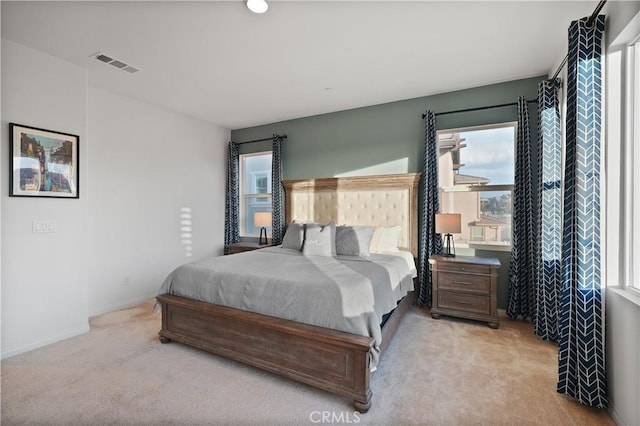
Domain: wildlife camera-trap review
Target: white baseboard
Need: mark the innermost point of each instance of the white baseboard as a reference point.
(76, 331)
(122, 304)
(615, 415)
(31, 346)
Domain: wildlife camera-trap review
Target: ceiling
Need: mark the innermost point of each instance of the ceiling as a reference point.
(219, 62)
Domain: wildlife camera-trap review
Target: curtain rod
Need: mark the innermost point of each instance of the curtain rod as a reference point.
(592, 18)
(262, 140)
(481, 108)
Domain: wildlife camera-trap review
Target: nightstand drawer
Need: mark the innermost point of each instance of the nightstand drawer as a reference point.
(464, 282)
(467, 268)
(464, 302)
(465, 287)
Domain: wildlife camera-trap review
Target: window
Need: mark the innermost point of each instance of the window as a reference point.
(621, 159)
(476, 176)
(261, 183)
(477, 233)
(255, 190)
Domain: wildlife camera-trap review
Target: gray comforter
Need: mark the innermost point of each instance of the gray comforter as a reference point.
(346, 293)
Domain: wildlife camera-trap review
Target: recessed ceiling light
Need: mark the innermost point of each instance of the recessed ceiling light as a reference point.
(257, 6)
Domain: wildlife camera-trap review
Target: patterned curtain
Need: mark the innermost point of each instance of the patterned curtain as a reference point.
(521, 267)
(549, 210)
(430, 242)
(581, 357)
(232, 204)
(277, 191)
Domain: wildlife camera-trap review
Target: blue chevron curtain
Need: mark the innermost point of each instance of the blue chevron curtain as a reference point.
(522, 266)
(581, 357)
(277, 191)
(549, 212)
(232, 204)
(430, 242)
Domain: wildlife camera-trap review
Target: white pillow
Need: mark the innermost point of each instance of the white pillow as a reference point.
(319, 240)
(385, 238)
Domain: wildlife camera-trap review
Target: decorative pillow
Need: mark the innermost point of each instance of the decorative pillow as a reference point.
(294, 236)
(319, 240)
(353, 240)
(385, 238)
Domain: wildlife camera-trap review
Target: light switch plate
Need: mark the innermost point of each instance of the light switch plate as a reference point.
(41, 226)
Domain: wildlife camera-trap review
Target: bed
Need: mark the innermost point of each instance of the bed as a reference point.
(332, 359)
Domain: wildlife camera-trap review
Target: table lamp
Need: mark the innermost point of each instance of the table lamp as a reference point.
(447, 224)
(262, 219)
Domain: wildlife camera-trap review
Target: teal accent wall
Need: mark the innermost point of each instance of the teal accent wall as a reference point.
(389, 138)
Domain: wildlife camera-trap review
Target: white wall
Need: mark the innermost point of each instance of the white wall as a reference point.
(44, 291)
(623, 363)
(146, 164)
(140, 165)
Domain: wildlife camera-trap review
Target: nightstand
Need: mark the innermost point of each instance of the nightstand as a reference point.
(243, 246)
(465, 287)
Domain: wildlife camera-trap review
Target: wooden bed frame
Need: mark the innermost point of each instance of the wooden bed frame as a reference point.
(332, 360)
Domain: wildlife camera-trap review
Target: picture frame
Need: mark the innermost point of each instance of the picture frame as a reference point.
(44, 163)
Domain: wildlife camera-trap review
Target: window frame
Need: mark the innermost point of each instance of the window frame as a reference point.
(632, 172)
(482, 188)
(262, 197)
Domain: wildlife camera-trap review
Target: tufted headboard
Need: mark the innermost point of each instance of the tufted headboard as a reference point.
(379, 200)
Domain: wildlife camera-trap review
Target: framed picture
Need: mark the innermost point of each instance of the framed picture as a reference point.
(44, 163)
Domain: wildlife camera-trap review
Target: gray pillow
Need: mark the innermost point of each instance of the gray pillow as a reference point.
(319, 240)
(294, 236)
(354, 240)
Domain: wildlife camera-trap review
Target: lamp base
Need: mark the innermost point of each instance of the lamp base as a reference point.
(449, 245)
(263, 229)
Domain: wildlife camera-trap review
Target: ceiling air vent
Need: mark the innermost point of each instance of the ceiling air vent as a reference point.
(115, 63)
(104, 58)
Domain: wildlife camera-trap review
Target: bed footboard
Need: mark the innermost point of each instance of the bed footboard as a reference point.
(332, 360)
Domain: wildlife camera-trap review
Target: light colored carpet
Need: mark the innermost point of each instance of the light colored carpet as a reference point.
(436, 372)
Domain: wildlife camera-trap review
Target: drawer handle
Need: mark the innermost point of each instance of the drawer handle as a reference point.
(462, 282)
(463, 302)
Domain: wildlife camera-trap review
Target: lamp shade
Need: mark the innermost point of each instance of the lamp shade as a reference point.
(448, 223)
(262, 219)
(257, 6)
